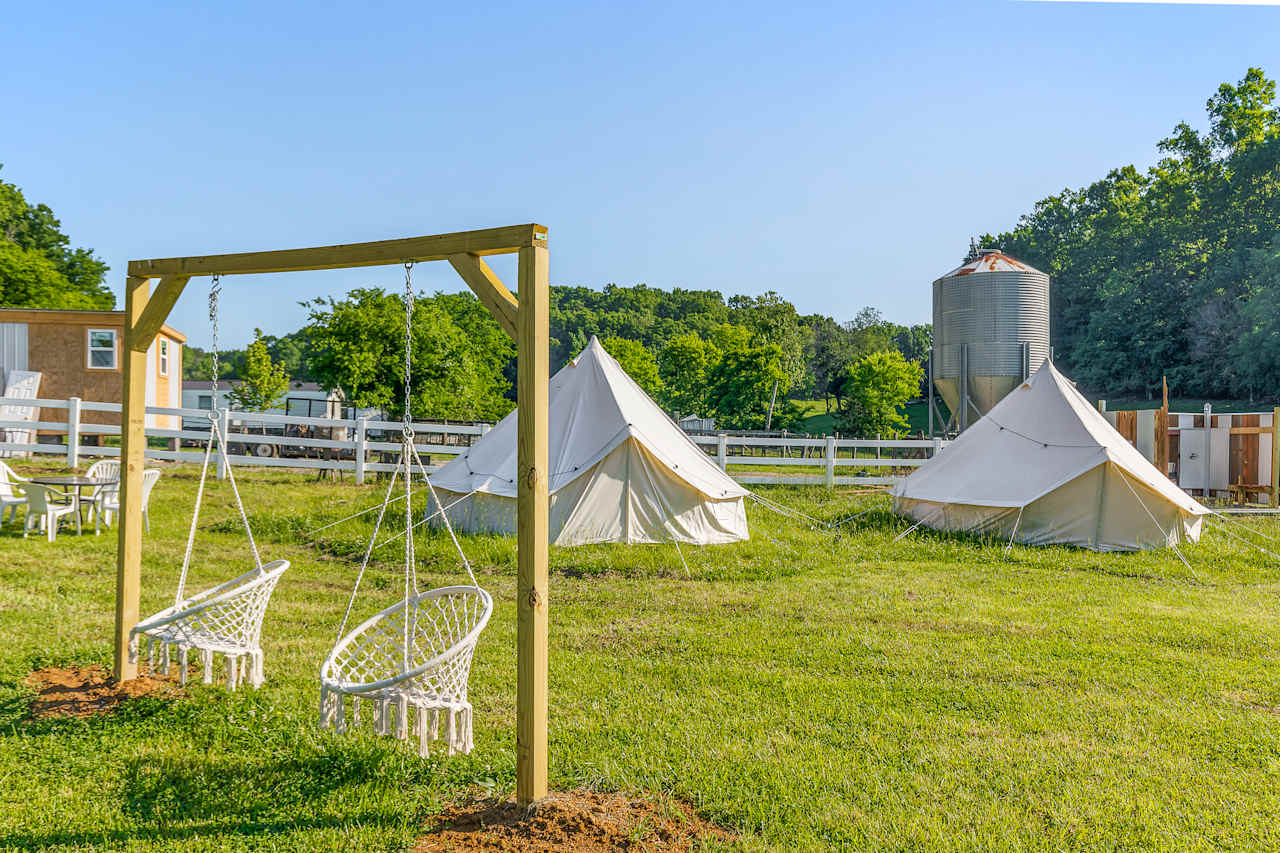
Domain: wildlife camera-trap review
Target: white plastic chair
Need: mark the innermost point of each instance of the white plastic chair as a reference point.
(44, 512)
(102, 469)
(225, 620)
(11, 496)
(107, 502)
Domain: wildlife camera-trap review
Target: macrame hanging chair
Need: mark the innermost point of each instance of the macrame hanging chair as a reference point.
(226, 619)
(413, 659)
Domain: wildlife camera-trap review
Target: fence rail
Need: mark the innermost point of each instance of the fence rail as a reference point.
(353, 441)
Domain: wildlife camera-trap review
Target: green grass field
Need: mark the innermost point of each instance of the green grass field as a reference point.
(810, 691)
(817, 421)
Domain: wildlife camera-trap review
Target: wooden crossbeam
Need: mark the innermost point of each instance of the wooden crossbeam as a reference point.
(437, 247)
(494, 295)
(157, 311)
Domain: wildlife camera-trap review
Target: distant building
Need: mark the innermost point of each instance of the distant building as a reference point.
(695, 424)
(303, 399)
(80, 354)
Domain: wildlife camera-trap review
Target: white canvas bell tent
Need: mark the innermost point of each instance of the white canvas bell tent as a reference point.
(621, 470)
(1044, 467)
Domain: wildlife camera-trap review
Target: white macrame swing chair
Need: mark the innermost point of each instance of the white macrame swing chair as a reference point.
(414, 657)
(226, 619)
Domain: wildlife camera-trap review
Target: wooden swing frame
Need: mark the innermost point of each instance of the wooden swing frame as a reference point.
(525, 320)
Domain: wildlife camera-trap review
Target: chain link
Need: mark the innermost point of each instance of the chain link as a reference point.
(215, 290)
(407, 428)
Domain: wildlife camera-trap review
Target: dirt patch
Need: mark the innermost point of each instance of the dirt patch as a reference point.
(82, 691)
(576, 821)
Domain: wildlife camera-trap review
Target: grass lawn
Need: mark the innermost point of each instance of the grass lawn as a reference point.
(807, 690)
(817, 421)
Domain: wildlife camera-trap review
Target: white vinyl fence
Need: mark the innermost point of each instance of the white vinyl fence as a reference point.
(348, 449)
(287, 441)
(893, 459)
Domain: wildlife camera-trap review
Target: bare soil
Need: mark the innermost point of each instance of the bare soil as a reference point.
(84, 691)
(577, 821)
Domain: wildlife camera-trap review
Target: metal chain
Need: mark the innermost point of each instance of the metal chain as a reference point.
(407, 428)
(410, 558)
(215, 289)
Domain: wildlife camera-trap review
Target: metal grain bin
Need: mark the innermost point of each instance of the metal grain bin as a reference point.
(991, 326)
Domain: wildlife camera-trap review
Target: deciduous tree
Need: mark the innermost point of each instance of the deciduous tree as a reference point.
(878, 385)
(264, 382)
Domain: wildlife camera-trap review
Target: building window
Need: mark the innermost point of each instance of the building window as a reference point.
(205, 401)
(164, 357)
(102, 349)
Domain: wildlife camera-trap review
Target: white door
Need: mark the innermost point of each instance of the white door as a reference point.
(25, 385)
(1192, 472)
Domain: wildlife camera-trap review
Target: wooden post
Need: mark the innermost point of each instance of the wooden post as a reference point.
(722, 451)
(1208, 451)
(1275, 457)
(533, 374)
(73, 432)
(133, 445)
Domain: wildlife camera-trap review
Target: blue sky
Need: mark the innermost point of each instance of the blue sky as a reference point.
(841, 154)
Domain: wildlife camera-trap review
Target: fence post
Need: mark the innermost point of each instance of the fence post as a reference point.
(937, 445)
(362, 426)
(224, 424)
(830, 456)
(73, 432)
(1208, 452)
(722, 450)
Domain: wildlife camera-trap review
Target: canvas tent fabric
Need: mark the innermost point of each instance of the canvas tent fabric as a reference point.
(1044, 467)
(620, 469)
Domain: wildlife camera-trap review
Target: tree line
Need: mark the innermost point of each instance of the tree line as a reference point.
(744, 361)
(1173, 271)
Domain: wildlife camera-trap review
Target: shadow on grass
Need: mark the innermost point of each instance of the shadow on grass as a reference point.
(183, 789)
(15, 708)
(180, 798)
(205, 830)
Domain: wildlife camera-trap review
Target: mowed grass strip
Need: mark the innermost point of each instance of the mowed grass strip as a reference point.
(809, 689)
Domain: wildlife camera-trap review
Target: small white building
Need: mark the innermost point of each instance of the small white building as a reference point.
(303, 399)
(695, 424)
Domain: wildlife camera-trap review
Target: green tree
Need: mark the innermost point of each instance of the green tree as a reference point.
(1142, 262)
(684, 366)
(358, 345)
(877, 387)
(1244, 115)
(30, 280)
(773, 320)
(38, 269)
(830, 351)
(264, 382)
(637, 361)
(741, 383)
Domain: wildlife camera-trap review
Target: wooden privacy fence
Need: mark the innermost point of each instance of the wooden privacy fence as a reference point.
(352, 441)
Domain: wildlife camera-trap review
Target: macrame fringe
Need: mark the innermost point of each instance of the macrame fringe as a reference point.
(240, 667)
(397, 714)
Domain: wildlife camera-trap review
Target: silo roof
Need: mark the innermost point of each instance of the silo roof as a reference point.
(992, 262)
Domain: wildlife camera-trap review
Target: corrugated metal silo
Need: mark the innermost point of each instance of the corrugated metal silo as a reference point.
(990, 331)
